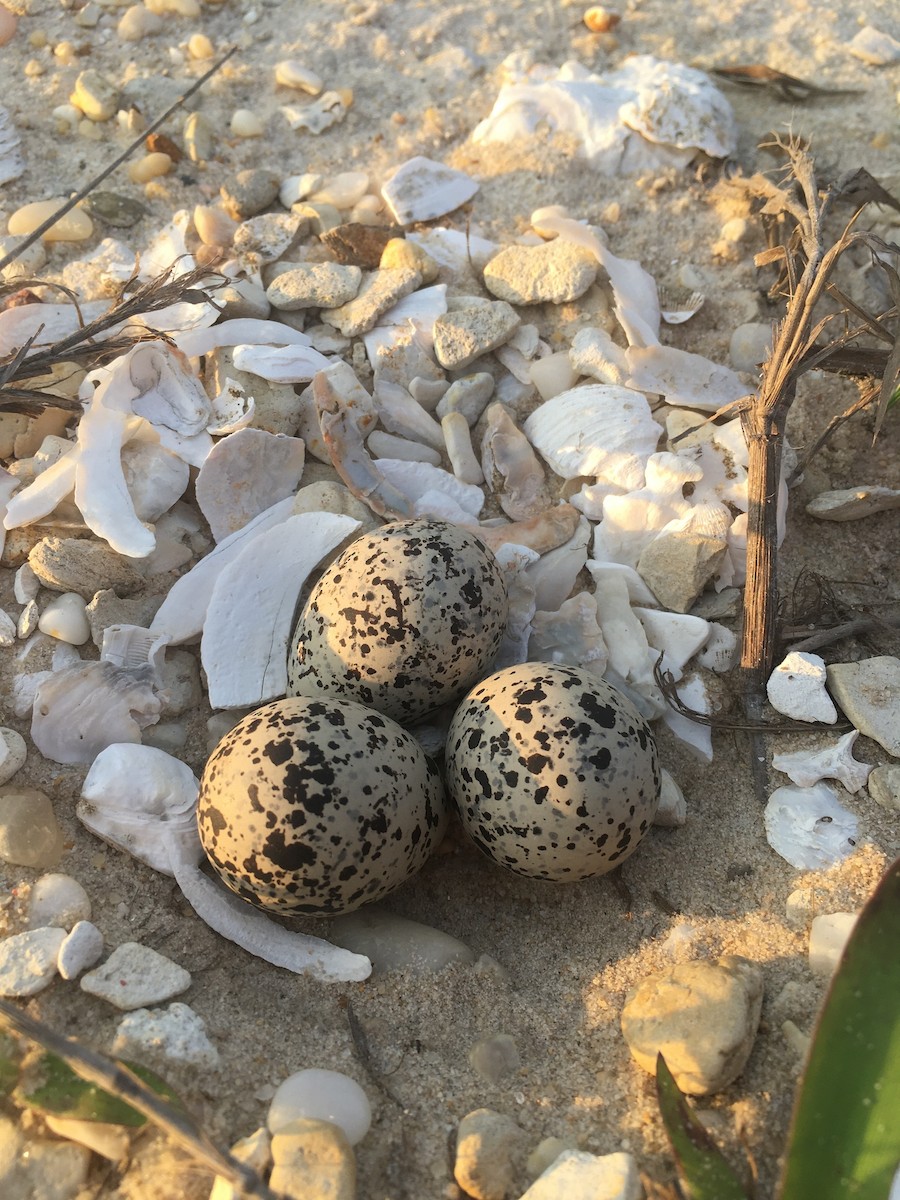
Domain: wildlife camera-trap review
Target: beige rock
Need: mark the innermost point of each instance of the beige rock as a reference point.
(869, 693)
(380, 290)
(83, 566)
(491, 1152)
(106, 608)
(313, 1161)
(553, 272)
(75, 226)
(314, 285)
(677, 566)
(462, 336)
(29, 833)
(405, 254)
(884, 786)
(702, 1016)
(96, 96)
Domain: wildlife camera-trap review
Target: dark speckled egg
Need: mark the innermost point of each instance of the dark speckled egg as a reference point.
(318, 806)
(407, 618)
(554, 772)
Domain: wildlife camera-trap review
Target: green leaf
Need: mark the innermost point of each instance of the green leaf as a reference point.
(65, 1094)
(705, 1175)
(10, 1058)
(844, 1142)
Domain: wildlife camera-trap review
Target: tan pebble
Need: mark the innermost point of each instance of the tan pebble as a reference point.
(293, 74)
(88, 16)
(75, 226)
(149, 167)
(612, 214)
(200, 47)
(198, 138)
(67, 117)
(368, 211)
(178, 8)
(401, 253)
(214, 227)
(157, 190)
(246, 124)
(346, 95)
(600, 20)
(65, 52)
(881, 141)
(37, 39)
(91, 130)
(33, 69)
(138, 22)
(8, 25)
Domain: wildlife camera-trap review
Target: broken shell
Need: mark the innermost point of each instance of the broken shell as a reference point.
(82, 710)
(806, 767)
(511, 467)
(139, 799)
(796, 688)
(244, 474)
(808, 827)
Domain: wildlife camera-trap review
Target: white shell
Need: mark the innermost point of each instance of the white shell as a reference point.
(598, 430)
(82, 710)
(281, 364)
(698, 738)
(143, 801)
(677, 635)
(248, 624)
(237, 332)
(553, 575)
(806, 767)
(808, 827)
(421, 190)
(571, 635)
(244, 474)
(418, 480)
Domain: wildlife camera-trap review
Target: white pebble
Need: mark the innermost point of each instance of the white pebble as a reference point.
(553, 374)
(28, 619)
(176, 1032)
(796, 688)
(7, 629)
(28, 961)
(827, 938)
(138, 22)
(292, 74)
(13, 753)
(298, 187)
(67, 117)
(75, 226)
(342, 190)
(134, 976)
(65, 618)
(151, 166)
(81, 949)
(58, 900)
(324, 1096)
(109, 1141)
(246, 124)
(180, 8)
(26, 584)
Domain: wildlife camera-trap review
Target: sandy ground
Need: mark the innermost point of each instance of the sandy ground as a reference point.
(569, 953)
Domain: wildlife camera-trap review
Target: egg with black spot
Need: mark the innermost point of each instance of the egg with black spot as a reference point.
(555, 773)
(405, 620)
(318, 806)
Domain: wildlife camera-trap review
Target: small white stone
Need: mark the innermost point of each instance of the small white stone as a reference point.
(65, 618)
(324, 1096)
(28, 961)
(246, 124)
(799, 908)
(342, 190)
(874, 47)
(13, 753)
(672, 810)
(58, 900)
(7, 629)
(26, 584)
(422, 189)
(291, 73)
(828, 936)
(82, 948)
(796, 688)
(109, 1141)
(28, 620)
(577, 1175)
(255, 1151)
(134, 976)
(176, 1032)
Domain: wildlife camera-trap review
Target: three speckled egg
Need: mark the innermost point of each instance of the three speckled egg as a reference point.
(405, 620)
(318, 806)
(555, 773)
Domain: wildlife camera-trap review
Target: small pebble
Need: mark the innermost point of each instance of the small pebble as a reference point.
(545, 1154)
(176, 1033)
(323, 1096)
(796, 688)
(399, 252)
(491, 1150)
(314, 285)
(198, 138)
(799, 908)
(254, 1151)
(13, 752)
(28, 961)
(672, 810)
(134, 976)
(828, 936)
(884, 786)
(214, 227)
(7, 628)
(600, 20)
(112, 209)
(553, 374)
(65, 618)
(868, 692)
(137, 22)
(82, 566)
(151, 166)
(342, 190)
(313, 1160)
(29, 833)
(109, 1141)
(388, 445)
(394, 943)
(28, 620)
(26, 265)
(95, 95)
(702, 1015)
(298, 187)
(465, 335)
(292, 74)
(200, 47)
(81, 949)
(553, 272)
(750, 346)
(57, 900)
(264, 239)
(67, 118)
(177, 8)
(246, 124)
(8, 23)
(250, 192)
(577, 1175)
(874, 47)
(75, 226)
(494, 1058)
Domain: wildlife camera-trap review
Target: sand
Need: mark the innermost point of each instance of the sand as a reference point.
(567, 955)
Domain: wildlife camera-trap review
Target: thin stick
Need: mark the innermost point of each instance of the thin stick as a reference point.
(98, 179)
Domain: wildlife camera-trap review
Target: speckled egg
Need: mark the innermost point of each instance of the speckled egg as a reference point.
(554, 772)
(318, 806)
(407, 618)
